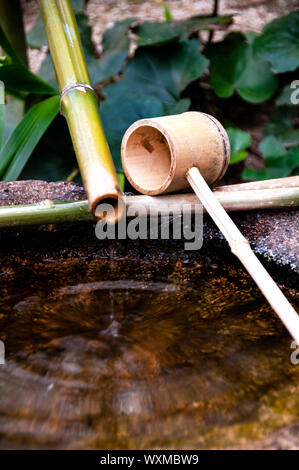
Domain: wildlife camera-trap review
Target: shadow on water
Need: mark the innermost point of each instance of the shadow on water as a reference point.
(187, 357)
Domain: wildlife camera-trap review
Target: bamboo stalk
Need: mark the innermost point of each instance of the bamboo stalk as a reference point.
(243, 200)
(59, 47)
(289, 182)
(57, 212)
(241, 248)
(46, 212)
(73, 37)
(80, 107)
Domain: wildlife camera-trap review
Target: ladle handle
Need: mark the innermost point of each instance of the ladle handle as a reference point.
(241, 248)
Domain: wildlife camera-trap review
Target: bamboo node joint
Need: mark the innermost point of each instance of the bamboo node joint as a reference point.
(75, 86)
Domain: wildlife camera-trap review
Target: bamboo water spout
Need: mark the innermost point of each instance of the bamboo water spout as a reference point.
(80, 107)
(54, 212)
(165, 154)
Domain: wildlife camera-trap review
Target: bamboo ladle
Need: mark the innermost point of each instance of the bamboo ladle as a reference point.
(165, 154)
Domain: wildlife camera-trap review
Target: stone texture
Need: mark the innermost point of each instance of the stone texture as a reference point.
(31, 191)
(272, 234)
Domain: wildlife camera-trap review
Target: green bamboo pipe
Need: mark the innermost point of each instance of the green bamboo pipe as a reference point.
(72, 35)
(79, 105)
(50, 212)
(43, 213)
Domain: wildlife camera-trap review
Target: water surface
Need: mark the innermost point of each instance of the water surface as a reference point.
(133, 354)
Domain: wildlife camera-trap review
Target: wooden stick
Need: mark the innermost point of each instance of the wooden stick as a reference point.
(241, 248)
(289, 182)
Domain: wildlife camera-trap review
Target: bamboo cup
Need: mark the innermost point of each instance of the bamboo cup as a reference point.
(156, 153)
(165, 154)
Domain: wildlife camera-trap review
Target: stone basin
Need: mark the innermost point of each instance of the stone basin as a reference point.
(140, 344)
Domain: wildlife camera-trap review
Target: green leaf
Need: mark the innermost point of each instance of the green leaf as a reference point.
(279, 43)
(260, 175)
(239, 141)
(14, 112)
(49, 161)
(238, 156)
(19, 146)
(291, 160)
(116, 45)
(178, 107)
(235, 67)
(121, 179)
(163, 73)
(5, 44)
(281, 126)
(197, 23)
(257, 83)
(151, 86)
(37, 37)
(118, 114)
(115, 51)
(85, 36)
(2, 113)
(279, 163)
(154, 33)
(167, 12)
(18, 78)
(228, 62)
(116, 34)
(47, 71)
(270, 148)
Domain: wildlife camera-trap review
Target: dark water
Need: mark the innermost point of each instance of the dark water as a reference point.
(123, 354)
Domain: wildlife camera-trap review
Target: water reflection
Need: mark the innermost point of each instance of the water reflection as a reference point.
(189, 358)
